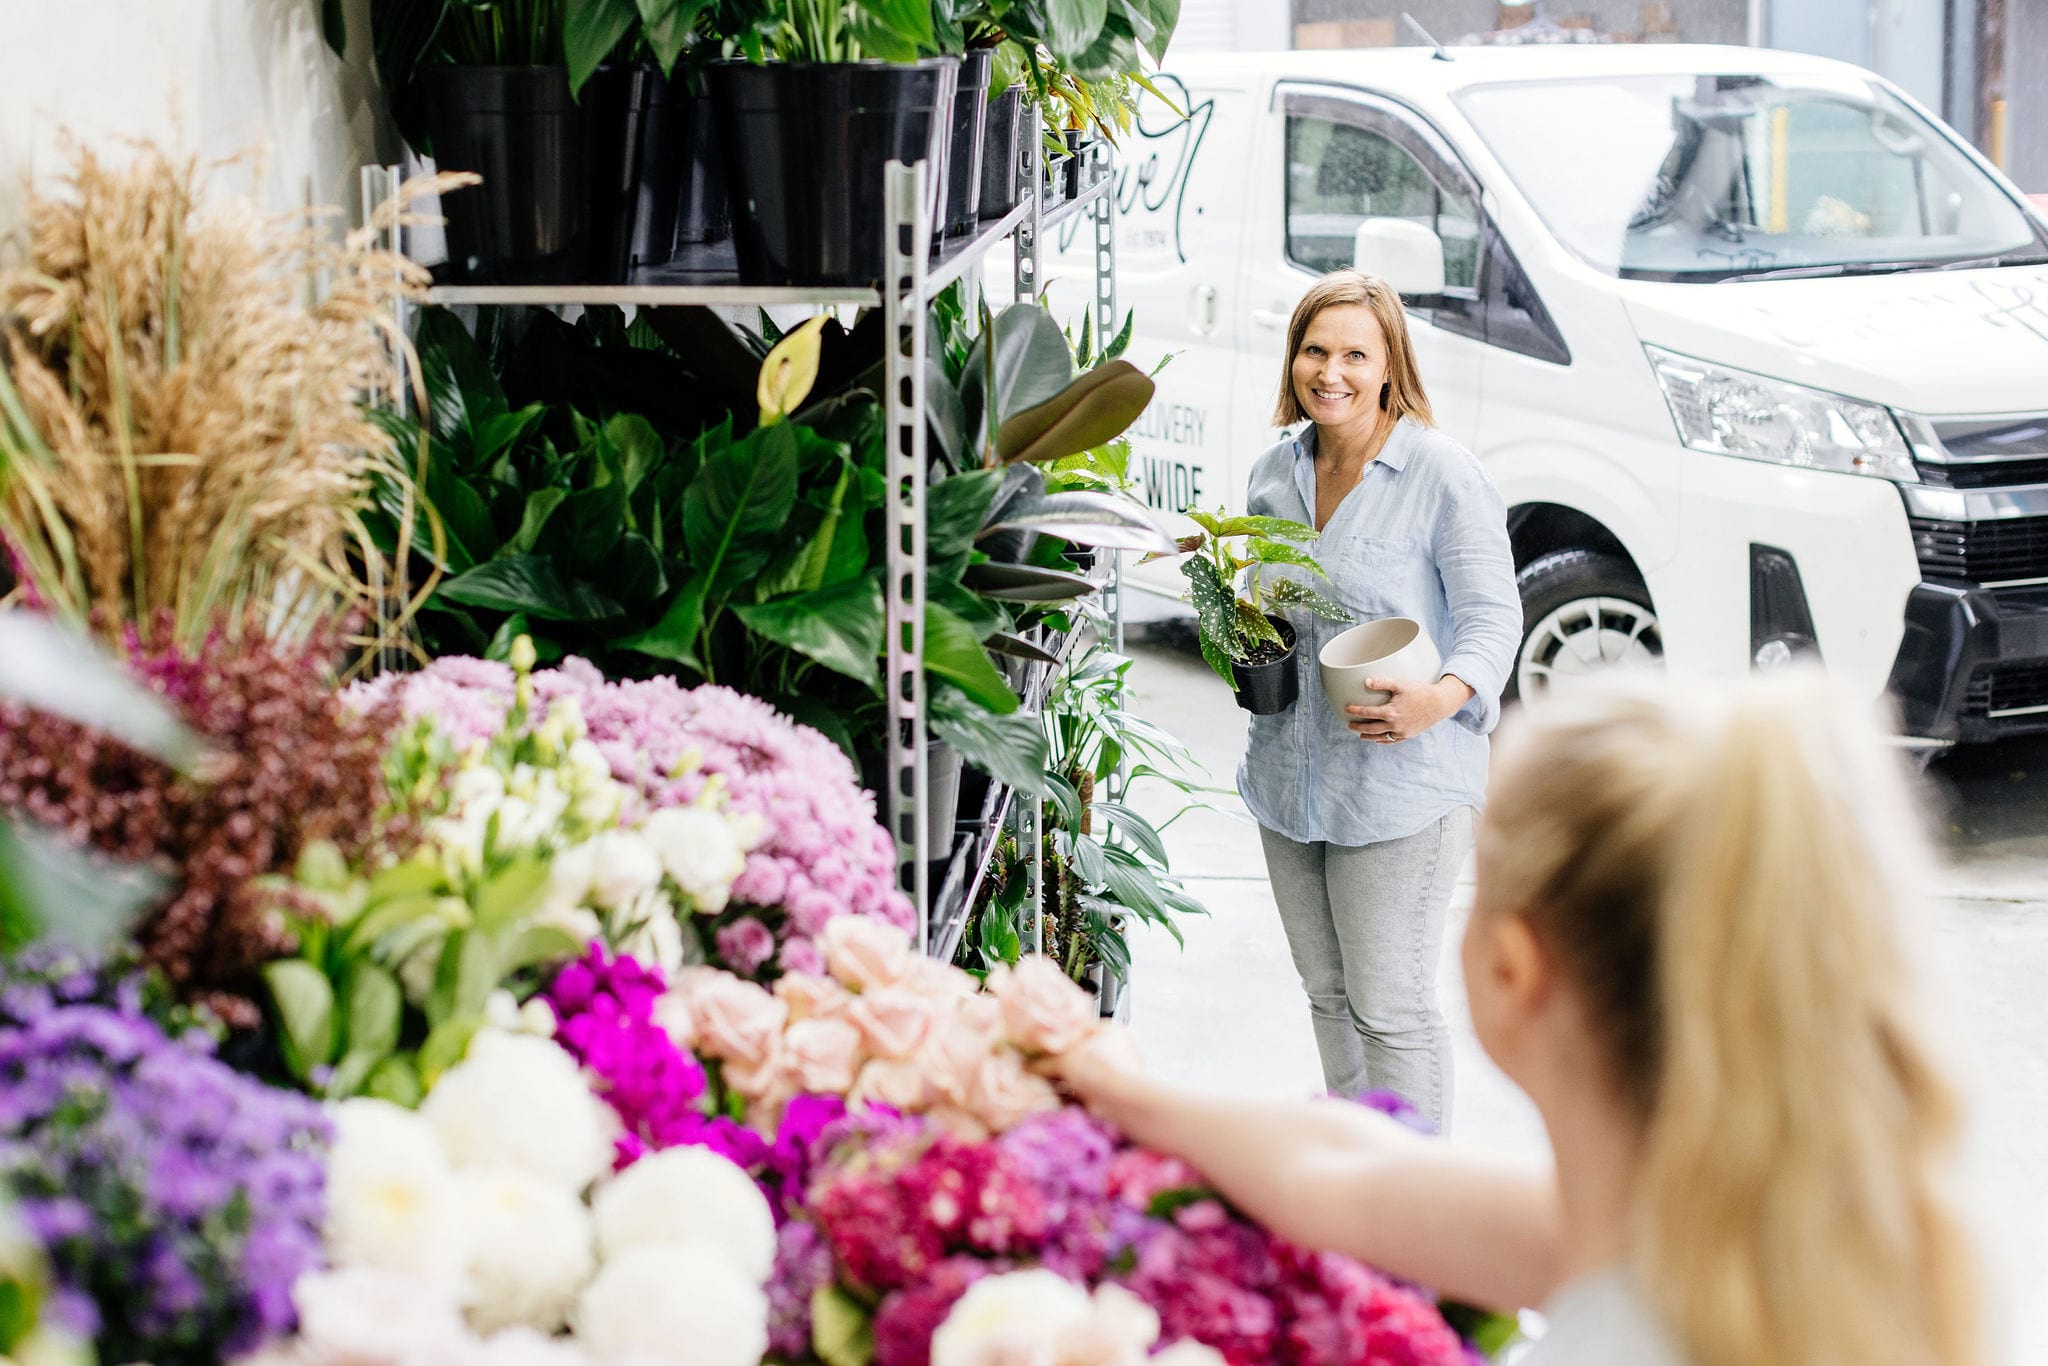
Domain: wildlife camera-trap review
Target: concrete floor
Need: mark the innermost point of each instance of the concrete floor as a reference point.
(1226, 1013)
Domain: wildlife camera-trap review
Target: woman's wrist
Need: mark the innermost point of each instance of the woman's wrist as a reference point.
(1454, 692)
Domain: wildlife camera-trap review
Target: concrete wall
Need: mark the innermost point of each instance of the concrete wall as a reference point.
(215, 76)
(2026, 85)
(1698, 21)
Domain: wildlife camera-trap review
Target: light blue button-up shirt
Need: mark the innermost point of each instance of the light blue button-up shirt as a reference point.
(1424, 535)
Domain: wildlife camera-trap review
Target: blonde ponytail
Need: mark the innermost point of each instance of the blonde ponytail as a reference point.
(1728, 876)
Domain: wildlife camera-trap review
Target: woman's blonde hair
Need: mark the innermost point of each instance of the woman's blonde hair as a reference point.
(1403, 395)
(1726, 874)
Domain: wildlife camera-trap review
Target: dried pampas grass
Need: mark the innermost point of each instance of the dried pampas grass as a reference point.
(181, 427)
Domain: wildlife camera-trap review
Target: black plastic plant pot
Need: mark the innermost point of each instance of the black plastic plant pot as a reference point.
(967, 141)
(1271, 687)
(704, 213)
(1002, 161)
(804, 146)
(1079, 144)
(517, 127)
(636, 168)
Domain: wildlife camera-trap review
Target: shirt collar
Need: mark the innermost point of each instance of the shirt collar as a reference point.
(1394, 455)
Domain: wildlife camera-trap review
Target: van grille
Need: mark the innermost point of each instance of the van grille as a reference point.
(1999, 690)
(1995, 474)
(1995, 452)
(1982, 552)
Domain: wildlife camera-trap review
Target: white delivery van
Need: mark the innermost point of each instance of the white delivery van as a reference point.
(1754, 346)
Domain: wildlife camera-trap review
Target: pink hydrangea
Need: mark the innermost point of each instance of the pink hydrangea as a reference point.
(823, 853)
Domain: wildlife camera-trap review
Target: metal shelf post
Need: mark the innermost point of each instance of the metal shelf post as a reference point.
(903, 308)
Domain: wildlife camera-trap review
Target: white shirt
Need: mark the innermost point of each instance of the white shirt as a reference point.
(1601, 1320)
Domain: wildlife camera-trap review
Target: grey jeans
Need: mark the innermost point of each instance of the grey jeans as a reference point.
(1365, 924)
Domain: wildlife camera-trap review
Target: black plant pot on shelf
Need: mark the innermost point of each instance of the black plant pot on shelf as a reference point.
(633, 117)
(704, 213)
(1078, 168)
(804, 146)
(1002, 160)
(942, 766)
(966, 142)
(1269, 687)
(518, 128)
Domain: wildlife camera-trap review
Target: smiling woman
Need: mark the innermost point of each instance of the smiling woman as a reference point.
(1366, 817)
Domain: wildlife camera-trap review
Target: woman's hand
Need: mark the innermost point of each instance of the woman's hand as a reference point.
(1100, 1071)
(1414, 707)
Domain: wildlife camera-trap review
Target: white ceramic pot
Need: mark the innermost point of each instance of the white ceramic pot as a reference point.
(1392, 647)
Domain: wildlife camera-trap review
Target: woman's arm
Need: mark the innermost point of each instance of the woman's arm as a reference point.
(1476, 563)
(1336, 1177)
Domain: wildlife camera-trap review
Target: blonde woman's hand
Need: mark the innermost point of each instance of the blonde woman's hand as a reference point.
(1100, 1070)
(1414, 707)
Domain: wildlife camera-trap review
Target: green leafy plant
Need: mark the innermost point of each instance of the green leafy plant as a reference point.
(849, 30)
(1235, 628)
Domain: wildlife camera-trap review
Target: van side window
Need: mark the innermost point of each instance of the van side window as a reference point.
(1339, 175)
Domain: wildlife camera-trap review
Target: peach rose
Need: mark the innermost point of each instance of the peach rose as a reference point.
(942, 981)
(672, 1012)
(894, 1082)
(773, 1075)
(825, 1055)
(893, 1022)
(955, 1050)
(1043, 1011)
(811, 997)
(736, 1021)
(1003, 1094)
(864, 954)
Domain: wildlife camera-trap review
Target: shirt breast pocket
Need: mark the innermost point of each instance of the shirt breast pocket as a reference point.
(1377, 576)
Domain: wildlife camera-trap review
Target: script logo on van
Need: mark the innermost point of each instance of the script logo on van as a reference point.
(1161, 172)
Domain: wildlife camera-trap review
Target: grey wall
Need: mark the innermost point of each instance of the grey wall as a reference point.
(2026, 82)
(1699, 21)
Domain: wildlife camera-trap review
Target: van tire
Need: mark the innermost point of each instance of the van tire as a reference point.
(1567, 593)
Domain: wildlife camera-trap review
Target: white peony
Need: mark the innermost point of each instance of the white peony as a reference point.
(662, 1303)
(701, 851)
(521, 1101)
(1188, 1352)
(363, 1316)
(529, 1249)
(688, 1196)
(392, 1202)
(524, 1347)
(624, 869)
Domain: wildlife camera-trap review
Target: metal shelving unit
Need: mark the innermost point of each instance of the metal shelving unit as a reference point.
(913, 277)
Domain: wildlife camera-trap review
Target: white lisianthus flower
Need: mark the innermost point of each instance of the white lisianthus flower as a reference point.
(1009, 1317)
(522, 1102)
(701, 852)
(579, 924)
(624, 867)
(1188, 1352)
(689, 1306)
(599, 798)
(392, 1201)
(570, 874)
(647, 930)
(524, 1347)
(479, 784)
(530, 1251)
(688, 1196)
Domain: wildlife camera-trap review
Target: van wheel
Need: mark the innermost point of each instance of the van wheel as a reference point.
(1582, 612)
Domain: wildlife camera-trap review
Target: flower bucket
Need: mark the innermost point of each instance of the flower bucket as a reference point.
(518, 128)
(966, 143)
(1002, 160)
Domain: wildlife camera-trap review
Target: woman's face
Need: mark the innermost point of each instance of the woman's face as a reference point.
(1340, 367)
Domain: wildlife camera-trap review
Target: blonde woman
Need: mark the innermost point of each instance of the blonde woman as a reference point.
(1366, 818)
(1688, 948)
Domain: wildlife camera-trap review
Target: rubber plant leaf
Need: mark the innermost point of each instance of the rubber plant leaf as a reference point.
(1087, 518)
(1025, 582)
(1020, 361)
(1092, 411)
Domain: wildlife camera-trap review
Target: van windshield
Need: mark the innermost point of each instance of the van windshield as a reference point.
(1716, 177)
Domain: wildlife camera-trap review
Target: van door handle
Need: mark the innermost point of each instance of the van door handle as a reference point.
(1202, 310)
(1269, 317)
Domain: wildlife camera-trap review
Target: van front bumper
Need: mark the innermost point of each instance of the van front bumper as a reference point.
(1973, 665)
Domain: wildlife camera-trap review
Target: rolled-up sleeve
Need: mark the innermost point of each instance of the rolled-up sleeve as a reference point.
(1477, 566)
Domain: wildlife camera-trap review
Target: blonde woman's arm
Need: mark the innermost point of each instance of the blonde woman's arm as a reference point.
(1337, 1177)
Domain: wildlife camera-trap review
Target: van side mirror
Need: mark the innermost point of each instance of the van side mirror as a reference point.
(1406, 255)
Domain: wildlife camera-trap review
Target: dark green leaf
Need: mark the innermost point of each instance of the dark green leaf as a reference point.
(955, 509)
(529, 584)
(743, 493)
(591, 30)
(1279, 552)
(540, 505)
(1100, 519)
(953, 651)
(1010, 749)
(1137, 828)
(841, 627)
(1025, 583)
(1003, 643)
(462, 391)
(1060, 794)
(509, 894)
(1031, 363)
(639, 447)
(1215, 615)
(674, 637)
(334, 26)
(498, 432)
(1288, 593)
(1089, 860)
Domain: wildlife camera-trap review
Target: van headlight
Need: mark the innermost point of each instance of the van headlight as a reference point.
(1732, 412)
